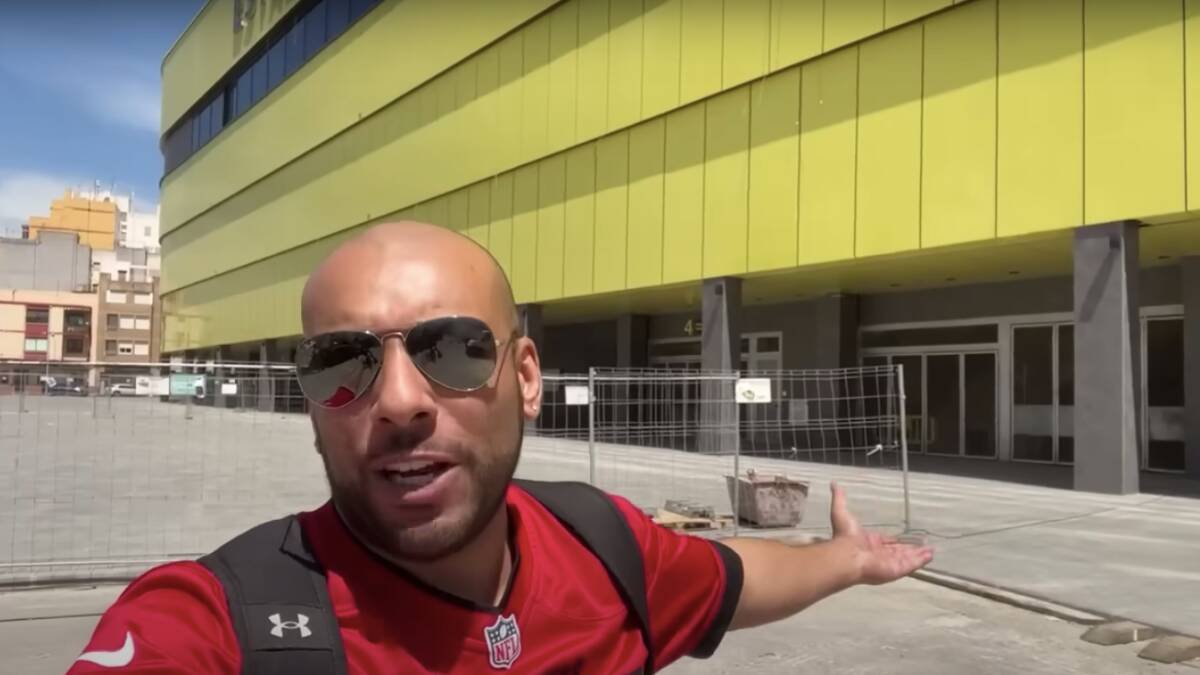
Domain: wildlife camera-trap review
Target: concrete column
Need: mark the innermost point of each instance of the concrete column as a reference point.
(720, 347)
(268, 352)
(632, 336)
(218, 377)
(1108, 379)
(836, 331)
(1190, 279)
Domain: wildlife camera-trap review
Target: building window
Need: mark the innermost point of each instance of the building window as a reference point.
(110, 347)
(116, 297)
(127, 323)
(37, 315)
(114, 321)
(125, 348)
(41, 345)
(143, 298)
(141, 349)
(289, 45)
(74, 346)
(142, 323)
(147, 232)
(78, 319)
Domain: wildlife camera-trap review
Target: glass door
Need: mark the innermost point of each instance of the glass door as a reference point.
(979, 404)
(950, 401)
(943, 400)
(914, 399)
(1163, 395)
(1043, 393)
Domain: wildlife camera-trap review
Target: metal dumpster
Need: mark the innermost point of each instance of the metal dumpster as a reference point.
(768, 501)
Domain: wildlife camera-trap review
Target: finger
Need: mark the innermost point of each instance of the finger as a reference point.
(839, 514)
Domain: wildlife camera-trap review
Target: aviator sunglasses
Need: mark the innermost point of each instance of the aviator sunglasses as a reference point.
(457, 352)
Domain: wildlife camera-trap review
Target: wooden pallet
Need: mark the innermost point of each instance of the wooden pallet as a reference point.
(677, 521)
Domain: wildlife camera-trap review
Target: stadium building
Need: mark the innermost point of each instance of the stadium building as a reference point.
(997, 194)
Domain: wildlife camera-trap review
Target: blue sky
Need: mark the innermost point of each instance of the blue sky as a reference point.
(79, 98)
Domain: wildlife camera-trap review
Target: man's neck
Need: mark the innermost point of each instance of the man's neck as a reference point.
(479, 573)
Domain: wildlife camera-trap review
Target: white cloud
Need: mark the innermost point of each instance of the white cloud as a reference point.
(129, 102)
(115, 92)
(28, 193)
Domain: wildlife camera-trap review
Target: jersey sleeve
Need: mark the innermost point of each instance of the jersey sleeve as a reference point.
(692, 584)
(172, 619)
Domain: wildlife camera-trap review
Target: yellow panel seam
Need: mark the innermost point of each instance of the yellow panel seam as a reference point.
(996, 130)
(799, 156)
(857, 117)
(1183, 26)
(921, 146)
(1083, 107)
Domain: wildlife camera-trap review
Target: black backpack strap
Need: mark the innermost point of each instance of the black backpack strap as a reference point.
(597, 522)
(278, 602)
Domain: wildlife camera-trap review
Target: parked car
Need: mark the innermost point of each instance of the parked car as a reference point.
(64, 389)
(122, 389)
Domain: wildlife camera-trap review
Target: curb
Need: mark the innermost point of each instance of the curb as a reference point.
(1013, 598)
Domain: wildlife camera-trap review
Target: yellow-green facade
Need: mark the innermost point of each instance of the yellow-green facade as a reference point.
(614, 153)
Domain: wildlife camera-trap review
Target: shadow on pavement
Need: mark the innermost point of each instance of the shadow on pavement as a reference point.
(1044, 475)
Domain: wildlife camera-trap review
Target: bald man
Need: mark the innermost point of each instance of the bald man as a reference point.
(429, 557)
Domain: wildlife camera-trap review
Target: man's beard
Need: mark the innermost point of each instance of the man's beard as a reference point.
(488, 478)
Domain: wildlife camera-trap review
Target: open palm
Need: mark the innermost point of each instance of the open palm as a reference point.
(880, 558)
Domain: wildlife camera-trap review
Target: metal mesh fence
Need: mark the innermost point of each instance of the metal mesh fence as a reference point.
(105, 469)
(674, 439)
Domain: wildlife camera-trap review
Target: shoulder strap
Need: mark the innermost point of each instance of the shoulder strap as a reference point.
(596, 521)
(278, 602)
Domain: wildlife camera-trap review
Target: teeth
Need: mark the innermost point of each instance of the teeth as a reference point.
(417, 481)
(409, 467)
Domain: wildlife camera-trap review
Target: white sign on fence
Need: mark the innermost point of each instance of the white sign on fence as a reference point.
(576, 394)
(753, 390)
(152, 386)
(228, 388)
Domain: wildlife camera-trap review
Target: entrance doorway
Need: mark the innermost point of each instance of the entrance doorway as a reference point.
(950, 400)
(1043, 393)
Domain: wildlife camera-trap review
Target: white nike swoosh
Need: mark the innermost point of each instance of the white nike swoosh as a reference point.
(116, 659)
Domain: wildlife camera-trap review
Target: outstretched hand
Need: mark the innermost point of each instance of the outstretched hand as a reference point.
(879, 558)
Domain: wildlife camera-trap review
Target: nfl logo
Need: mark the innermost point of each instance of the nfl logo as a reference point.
(503, 641)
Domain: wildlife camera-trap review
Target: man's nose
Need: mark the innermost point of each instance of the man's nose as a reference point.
(404, 396)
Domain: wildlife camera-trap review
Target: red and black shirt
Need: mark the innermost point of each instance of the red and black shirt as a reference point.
(561, 613)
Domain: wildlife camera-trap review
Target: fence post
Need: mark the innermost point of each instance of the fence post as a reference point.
(592, 426)
(95, 405)
(737, 459)
(188, 405)
(903, 443)
(21, 398)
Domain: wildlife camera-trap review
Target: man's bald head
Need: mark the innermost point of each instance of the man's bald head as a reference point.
(431, 266)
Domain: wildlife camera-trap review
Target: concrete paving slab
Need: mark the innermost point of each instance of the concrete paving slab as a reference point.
(84, 496)
(906, 628)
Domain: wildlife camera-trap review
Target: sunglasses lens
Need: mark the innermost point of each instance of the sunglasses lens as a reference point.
(456, 352)
(336, 368)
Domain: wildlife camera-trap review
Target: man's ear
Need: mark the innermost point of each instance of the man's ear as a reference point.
(529, 377)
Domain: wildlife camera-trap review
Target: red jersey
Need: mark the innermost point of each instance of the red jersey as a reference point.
(561, 613)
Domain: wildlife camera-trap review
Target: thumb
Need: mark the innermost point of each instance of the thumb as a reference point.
(843, 523)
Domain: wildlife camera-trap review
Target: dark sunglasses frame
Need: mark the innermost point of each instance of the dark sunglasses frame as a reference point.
(377, 342)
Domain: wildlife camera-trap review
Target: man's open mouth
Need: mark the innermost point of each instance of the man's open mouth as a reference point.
(414, 474)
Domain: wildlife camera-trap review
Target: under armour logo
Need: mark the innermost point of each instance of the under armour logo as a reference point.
(300, 624)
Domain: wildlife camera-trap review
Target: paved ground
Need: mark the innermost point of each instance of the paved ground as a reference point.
(906, 627)
(143, 482)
